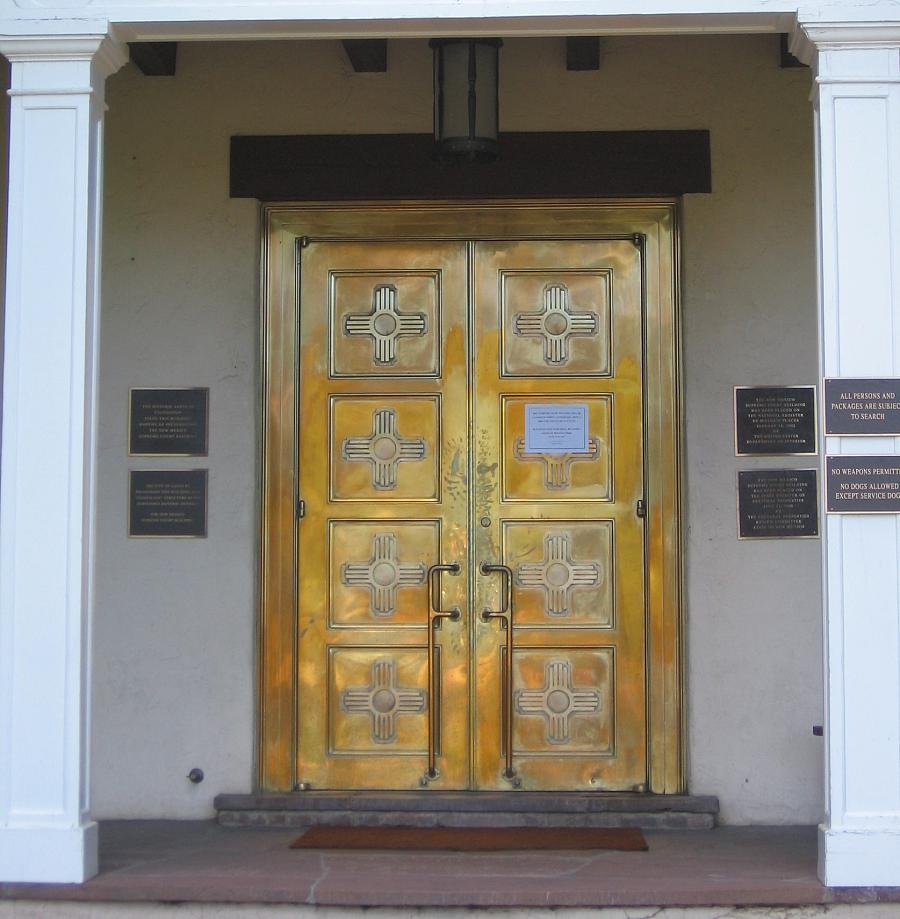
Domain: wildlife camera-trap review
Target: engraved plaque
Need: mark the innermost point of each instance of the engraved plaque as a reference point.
(862, 484)
(167, 502)
(862, 406)
(775, 420)
(778, 503)
(168, 422)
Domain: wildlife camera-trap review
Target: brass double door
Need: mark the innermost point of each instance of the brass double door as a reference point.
(471, 570)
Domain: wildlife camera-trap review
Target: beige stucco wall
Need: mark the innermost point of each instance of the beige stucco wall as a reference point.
(175, 620)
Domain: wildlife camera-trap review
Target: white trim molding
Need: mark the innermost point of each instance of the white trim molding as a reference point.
(857, 120)
(46, 481)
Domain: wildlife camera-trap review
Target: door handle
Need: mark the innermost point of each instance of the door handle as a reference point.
(434, 593)
(505, 615)
(435, 616)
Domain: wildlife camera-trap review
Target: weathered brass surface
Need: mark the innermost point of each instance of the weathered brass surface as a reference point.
(424, 333)
(504, 616)
(382, 456)
(565, 523)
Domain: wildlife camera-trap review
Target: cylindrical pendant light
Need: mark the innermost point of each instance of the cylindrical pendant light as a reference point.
(466, 104)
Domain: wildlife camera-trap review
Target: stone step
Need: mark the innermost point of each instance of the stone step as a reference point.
(524, 809)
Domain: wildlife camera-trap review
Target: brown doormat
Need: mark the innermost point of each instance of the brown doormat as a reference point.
(470, 839)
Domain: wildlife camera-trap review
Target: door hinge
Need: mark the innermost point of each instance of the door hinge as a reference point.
(301, 508)
(640, 508)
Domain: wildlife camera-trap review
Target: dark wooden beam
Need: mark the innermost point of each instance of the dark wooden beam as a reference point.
(154, 58)
(342, 167)
(583, 53)
(787, 59)
(367, 55)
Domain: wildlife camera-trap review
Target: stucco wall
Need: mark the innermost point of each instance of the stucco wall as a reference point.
(174, 623)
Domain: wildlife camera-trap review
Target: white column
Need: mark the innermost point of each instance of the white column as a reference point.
(857, 102)
(52, 289)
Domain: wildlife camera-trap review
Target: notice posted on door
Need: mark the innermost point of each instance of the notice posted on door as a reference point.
(556, 427)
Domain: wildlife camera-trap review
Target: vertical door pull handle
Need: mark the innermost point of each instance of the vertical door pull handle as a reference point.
(505, 615)
(435, 616)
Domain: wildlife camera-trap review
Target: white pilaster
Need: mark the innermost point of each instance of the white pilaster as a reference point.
(52, 289)
(857, 102)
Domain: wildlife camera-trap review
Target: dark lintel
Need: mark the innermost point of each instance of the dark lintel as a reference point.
(342, 167)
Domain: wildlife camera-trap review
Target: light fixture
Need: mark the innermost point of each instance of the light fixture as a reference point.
(466, 105)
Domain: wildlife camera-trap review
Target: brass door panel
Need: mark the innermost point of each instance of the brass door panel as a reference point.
(555, 323)
(576, 475)
(564, 573)
(471, 386)
(382, 426)
(564, 522)
(385, 448)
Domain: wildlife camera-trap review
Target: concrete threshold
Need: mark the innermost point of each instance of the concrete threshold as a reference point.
(468, 809)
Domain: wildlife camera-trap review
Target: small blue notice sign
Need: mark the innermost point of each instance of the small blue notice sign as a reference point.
(556, 428)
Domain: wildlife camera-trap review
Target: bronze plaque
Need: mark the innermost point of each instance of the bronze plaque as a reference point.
(863, 484)
(168, 422)
(167, 502)
(778, 503)
(862, 407)
(775, 420)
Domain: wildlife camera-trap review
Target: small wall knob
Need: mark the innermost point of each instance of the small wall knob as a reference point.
(195, 775)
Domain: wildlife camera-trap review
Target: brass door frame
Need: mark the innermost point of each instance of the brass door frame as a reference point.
(284, 228)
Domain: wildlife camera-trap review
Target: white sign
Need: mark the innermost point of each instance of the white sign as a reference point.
(555, 428)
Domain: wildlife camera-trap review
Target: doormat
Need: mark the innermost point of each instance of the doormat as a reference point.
(470, 839)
